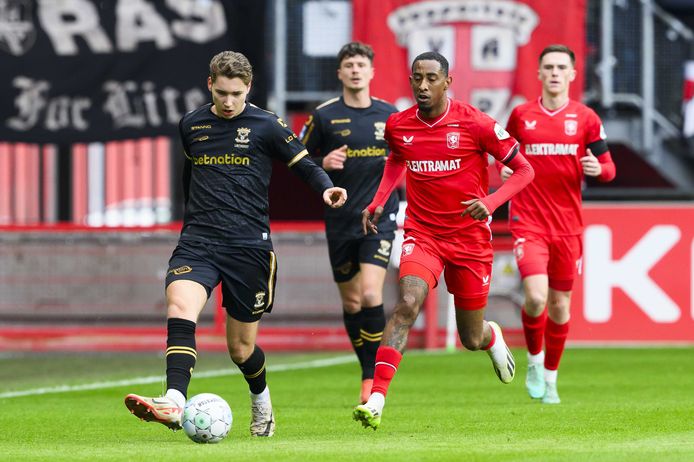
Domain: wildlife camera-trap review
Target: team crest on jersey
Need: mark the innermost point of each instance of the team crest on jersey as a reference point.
(453, 140)
(242, 135)
(570, 127)
(380, 130)
(259, 299)
(518, 248)
(407, 249)
(385, 248)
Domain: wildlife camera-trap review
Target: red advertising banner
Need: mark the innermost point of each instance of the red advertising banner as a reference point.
(638, 275)
(492, 45)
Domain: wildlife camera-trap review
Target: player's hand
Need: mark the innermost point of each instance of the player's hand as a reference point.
(476, 209)
(505, 173)
(335, 197)
(368, 222)
(335, 160)
(591, 165)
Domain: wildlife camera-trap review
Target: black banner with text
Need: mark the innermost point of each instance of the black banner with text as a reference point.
(89, 70)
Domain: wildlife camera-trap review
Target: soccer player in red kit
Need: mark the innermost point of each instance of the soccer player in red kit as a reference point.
(441, 147)
(563, 140)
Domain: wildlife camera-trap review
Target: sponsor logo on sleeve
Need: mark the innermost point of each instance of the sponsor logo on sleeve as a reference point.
(501, 134)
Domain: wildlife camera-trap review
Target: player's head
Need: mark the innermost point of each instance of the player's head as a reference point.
(430, 81)
(556, 71)
(229, 82)
(355, 66)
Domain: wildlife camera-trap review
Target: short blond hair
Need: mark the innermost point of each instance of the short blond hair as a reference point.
(231, 64)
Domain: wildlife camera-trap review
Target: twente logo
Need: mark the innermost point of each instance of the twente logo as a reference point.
(242, 135)
(453, 140)
(570, 127)
(17, 31)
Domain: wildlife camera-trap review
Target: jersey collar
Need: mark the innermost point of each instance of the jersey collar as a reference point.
(554, 112)
(443, 116)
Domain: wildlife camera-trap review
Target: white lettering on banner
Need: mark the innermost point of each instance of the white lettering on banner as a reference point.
(630, 274)
(137, 21)
(129, 104)
(63, 21)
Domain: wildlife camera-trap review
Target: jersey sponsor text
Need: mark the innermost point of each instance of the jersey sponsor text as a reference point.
(547, 149)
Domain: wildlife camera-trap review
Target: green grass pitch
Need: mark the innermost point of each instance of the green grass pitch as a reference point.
(617, 405)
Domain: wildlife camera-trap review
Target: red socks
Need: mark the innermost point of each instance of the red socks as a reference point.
(534, 330)
(555, 338)
(387, 361)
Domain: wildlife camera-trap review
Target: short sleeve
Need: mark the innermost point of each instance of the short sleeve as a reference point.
(283, 143)
(493, 138)
(311, 134)
(595, 131)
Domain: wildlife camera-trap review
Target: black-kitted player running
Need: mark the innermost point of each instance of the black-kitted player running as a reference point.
(229, 146)
(346, 136)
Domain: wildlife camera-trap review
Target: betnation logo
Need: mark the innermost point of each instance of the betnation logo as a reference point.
(371, 151)
(220, 159)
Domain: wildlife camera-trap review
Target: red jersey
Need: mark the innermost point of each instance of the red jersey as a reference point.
(446, 163)
(553, 142)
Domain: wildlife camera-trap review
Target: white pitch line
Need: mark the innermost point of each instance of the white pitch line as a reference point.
(316, 363)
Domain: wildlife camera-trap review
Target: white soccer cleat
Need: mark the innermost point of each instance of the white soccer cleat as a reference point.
(535, 380)
(551, 395)
(262, 419)
(162, 409)
(502, 359)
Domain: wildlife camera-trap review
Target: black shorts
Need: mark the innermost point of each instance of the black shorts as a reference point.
(248, 275)
(346, 255)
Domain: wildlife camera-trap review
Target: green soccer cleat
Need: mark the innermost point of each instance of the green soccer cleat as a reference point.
(535, 380)
(369, 416)
(551, 395)
(163, 410)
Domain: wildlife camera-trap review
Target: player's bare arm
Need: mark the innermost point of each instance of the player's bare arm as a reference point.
(476, 209)
(335, 160)
(591, 165)
(335, 197)
(368, 222)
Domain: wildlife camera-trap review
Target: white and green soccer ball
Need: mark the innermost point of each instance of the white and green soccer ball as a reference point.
(207, 418)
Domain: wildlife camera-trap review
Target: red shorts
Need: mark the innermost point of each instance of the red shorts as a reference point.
(559, 257)
(466, 266)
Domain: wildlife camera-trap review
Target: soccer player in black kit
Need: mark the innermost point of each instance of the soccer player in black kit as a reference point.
(345, 136)
(229, 146)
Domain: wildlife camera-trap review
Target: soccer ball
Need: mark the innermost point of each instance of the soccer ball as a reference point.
(206, 418)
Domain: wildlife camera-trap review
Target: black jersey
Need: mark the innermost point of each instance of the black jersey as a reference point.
(334, 124)
(228, 170)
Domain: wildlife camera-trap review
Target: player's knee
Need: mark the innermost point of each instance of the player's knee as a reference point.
(176, 308)
(407, 309)
(535, 302)
(371, 297)
(559, 312)
(240, 352)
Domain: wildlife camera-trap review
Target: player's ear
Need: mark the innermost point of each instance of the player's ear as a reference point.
(209, 83)
(449, 79)
(572, 75)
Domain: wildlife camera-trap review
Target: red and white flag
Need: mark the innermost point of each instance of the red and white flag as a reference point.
(688, 100)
